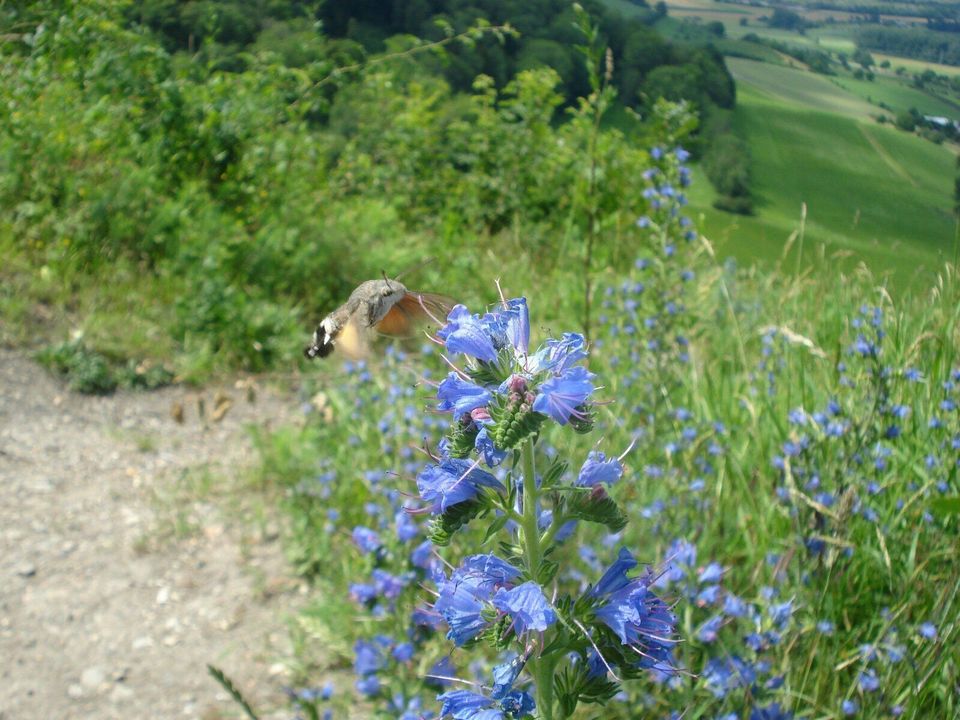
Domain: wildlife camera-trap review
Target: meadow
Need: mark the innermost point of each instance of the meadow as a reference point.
(787, 465)
(869, 189)
(870, 192)
(628, 474)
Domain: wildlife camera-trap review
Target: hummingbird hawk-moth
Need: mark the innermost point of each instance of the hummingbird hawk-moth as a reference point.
(384, 307)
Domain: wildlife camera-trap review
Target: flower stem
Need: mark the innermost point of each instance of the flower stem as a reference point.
(540, 668)
(531, 529)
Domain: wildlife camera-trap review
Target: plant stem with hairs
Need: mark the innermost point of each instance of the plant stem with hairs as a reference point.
(596, 56)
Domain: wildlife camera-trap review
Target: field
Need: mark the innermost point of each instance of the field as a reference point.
(917, 66)
(897, 95)
(872, 193)
(869, 189)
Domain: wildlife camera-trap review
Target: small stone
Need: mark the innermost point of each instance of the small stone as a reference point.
(163, 595)
(120, 694)
(26, 570)
(142, 643)
(75, 691)
(93, 677)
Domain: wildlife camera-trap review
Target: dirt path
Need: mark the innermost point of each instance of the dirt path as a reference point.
(886, 157)
(104, 614)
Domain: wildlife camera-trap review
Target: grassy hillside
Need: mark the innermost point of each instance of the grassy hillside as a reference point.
(870, 189)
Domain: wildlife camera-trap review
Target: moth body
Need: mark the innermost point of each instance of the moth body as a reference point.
(376, 306)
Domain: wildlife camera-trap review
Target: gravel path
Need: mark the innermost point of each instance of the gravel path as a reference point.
(103, 613)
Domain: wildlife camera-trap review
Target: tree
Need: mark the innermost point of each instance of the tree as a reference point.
(786, 20)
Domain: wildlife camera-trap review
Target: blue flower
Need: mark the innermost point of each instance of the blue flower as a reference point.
(560, 355)
(463, 704)
(709, 630)
(640, 619)
(734, 606)
(527, 605)
(505, 675)
(868, 681)
(486, 571)
(403, 652)
(780, 614)
(422, 555)
(461, 396)
(407, 528)
(517, 318)
(709, 595)
(597, 469)
(368, 685)
(928, 630)
(771, 712)
(368, 658)
(711, 573)
(518, 704)
(461, 605)
(615, 578)
(467, 705)
(387, 585)
(725, 674)
(362, 592)
(441, 672)
(484, 445)
(559, 397)
(366, 539)
(466, 333)
(452, 481)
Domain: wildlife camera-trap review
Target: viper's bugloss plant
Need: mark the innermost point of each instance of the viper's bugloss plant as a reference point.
(570, 646)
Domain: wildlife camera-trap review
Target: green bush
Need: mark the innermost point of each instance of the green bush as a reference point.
(85, 370)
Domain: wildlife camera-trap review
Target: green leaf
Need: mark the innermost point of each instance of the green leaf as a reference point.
(228, 685)
(496, 526)
(553, 474)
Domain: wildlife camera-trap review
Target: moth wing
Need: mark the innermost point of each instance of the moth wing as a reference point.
(412, 309)
(352, 341)
(432, 306)
(398, 322)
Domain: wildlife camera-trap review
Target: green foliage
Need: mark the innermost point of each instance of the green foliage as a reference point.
(445, 526)
(227, 684)
(919, 43)
(726, 163)
(90, 372)
(514, 422)
(817, 60)
(86, 371)
(547, 37)
(787, 20)
(596, 506)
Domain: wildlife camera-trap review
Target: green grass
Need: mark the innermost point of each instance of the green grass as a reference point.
(750, 51)
(736, 520)
(916, 66)
(879, 193)
(625, 8)
(794, 86)
(897, 94)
